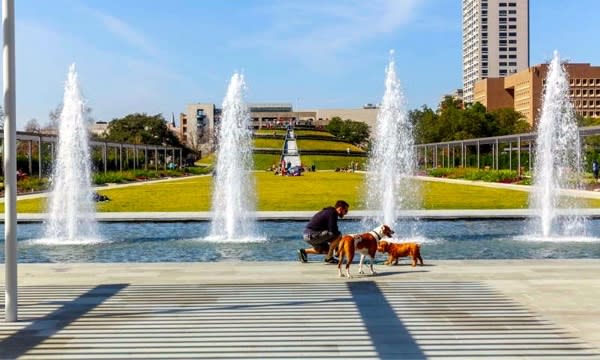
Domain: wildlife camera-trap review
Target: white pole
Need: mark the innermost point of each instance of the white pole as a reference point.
(10, 161)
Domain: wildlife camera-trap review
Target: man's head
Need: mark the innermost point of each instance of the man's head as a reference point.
(342, 208)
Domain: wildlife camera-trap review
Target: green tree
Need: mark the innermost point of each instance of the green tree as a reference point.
(335, 126)
(426, 124)
(472, 122)
(142, 129)
(508, 121)
(354, 132)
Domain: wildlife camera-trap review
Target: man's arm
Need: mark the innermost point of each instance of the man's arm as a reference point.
(333, 228)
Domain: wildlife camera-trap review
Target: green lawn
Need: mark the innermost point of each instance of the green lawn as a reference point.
(330, 162)
(309, 192)
(282, 132)
(268, 143)
(325, 145)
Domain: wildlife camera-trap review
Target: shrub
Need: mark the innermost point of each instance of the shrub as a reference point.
(503, 176)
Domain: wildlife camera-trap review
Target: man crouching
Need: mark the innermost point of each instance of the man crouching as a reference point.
(322, 232)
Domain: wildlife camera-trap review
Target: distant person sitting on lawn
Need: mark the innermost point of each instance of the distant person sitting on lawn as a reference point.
(322, 232)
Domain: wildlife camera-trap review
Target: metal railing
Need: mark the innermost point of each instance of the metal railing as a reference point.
(443, 154)
(158, 154)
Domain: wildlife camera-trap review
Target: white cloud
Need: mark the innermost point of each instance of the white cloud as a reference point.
(323, 31)
(113, 83)
(126, 32)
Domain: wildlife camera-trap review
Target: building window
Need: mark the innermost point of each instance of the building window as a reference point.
(512, 41)
(512, 49)
(512, 64)
(502, 49)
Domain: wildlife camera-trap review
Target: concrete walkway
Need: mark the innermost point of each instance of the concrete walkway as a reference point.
(526, 188)
(305, 215)
(532, 309)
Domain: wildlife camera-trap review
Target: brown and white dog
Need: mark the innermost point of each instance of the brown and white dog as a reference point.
(398, 250)
(365, 244)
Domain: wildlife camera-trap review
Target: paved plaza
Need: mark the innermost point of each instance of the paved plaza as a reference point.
(483, 309)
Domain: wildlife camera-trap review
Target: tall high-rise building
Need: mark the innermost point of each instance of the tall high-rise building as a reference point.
(495, 40)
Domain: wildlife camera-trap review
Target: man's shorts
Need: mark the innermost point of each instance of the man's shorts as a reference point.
(319, 240)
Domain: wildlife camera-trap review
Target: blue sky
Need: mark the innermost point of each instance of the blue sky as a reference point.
(157, 56)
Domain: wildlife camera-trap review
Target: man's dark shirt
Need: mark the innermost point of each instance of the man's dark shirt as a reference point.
(325, 219)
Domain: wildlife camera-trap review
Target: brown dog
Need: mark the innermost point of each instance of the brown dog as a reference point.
(397, 250)
(365, 244)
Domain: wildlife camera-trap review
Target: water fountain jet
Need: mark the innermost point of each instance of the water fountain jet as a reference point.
(558, 162)
(233, 202)
(72, 210)
(392, 159)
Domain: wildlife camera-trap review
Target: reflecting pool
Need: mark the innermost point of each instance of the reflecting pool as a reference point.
(186, 242)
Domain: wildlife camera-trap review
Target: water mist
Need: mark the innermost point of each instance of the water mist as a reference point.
(392, 159)
(233, 202)
(71, 210)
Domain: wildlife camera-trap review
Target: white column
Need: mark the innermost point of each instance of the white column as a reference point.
(10, 161)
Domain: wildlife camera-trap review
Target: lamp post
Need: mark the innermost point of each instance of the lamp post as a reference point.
(10, 161)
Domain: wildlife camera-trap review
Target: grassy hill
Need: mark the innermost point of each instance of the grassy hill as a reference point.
(322, 151)
(309, 192)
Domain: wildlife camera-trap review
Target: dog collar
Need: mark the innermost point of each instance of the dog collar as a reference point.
(377, 235)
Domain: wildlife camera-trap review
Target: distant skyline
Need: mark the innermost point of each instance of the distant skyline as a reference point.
(156, 57)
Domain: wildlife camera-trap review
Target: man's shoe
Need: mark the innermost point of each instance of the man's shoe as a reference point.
(331, 260)
(302, 256)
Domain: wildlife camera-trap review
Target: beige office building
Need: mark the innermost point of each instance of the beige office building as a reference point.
(523, 91)
(197, 125)
(495, 40)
